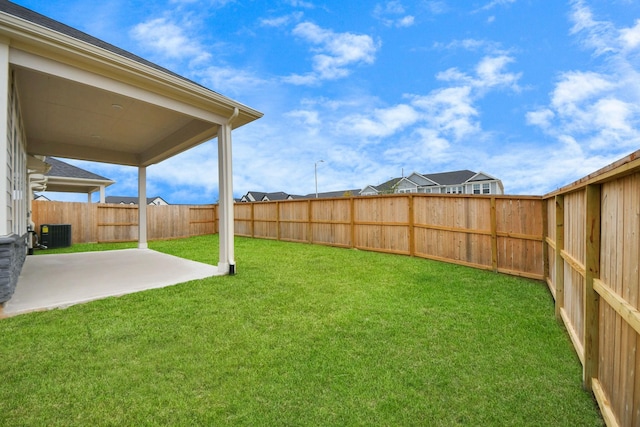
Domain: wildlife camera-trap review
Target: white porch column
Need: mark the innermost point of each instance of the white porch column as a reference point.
(226, 263)
(142, 208)
(89, 197)
(102, 198)
(5, 190)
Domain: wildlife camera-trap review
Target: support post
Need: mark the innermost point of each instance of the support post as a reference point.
(142, 208)
(591, 297)
(226, 262)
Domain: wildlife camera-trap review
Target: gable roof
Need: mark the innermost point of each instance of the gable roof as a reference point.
(333, 194)
(388, 186)
(126, 200)
(66, 170)
(66, 178)
(450, 178)
(260, 196)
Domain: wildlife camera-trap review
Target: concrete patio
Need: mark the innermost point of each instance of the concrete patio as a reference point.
(58, 281)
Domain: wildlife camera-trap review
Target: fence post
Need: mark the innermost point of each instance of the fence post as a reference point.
(545, 237)
(277, 220)
(494, 235)
(559, 274)
(591, 297)
(352, 215)
(253, 221)
(309, 222)
(412, 237)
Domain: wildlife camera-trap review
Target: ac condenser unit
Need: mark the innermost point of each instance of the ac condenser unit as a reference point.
(55, 235)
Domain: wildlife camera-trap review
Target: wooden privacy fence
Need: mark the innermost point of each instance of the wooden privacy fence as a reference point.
(500, 233)
(593, 252)
(99, 222)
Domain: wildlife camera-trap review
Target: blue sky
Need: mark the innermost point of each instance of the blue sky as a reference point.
(536, 93)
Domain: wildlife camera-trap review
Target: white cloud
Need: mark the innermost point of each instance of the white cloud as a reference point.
(379, 123)
(541, 118)
(229, 80)
(596, 35)
(169, 39)
(495, 3)
(282, 21)
(393, 14)
(597, 111)
(334, 53)
(449, 111)
(489, 73)
(301, 3)
(575, 87)
(630, 37)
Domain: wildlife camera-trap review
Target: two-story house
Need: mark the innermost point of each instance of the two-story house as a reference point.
(455, 182)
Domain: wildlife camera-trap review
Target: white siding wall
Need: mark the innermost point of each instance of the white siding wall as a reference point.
(17, 183)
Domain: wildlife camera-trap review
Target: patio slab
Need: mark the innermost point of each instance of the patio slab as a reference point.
(58, 281)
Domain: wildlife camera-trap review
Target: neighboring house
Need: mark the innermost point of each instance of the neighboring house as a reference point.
(455, 182)
(41, 198)
(333, 194)
(124, 200)
(67, 94)
(257, 196)
(67, 178)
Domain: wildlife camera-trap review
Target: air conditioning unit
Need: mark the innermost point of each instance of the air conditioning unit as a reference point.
(55, 235)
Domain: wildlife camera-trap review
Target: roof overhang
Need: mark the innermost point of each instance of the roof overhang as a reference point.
(76, 185)
(81, 101)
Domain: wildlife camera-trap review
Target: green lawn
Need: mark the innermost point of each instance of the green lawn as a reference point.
(302, 335)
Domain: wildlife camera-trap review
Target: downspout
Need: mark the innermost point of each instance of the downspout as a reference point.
(231, 218)
(227, 257)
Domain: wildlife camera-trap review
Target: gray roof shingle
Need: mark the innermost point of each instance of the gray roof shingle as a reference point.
(65, 170)
(450, 178)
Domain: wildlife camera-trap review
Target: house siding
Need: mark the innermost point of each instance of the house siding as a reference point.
(13, 245)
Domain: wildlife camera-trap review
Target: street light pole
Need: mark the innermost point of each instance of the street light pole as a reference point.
(316, 174)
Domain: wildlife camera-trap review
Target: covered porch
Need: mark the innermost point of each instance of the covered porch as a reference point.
(77, 97)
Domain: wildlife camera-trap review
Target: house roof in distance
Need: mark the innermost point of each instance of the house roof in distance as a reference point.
(450, 178)
(127, 200)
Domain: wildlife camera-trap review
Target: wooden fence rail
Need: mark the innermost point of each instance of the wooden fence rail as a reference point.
(98, 222)
(593, 241)
(500, 233)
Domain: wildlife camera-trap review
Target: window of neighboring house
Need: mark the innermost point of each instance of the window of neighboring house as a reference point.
(407, 190)
(476, 188)
(486, 188)
(454, 190)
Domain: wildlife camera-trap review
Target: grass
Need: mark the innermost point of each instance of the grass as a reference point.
(302, 335)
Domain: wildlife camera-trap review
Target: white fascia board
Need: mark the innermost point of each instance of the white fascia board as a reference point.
(408, 182)
(422, 177)
(491, 178)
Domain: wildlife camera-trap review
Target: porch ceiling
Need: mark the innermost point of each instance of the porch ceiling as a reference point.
(70, 119)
